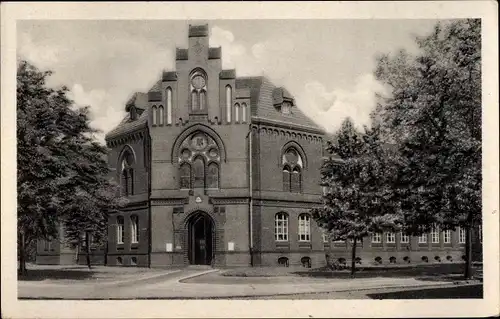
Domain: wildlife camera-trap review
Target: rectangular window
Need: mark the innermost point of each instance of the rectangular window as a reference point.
(390, 238)
(120, 230)
(405, 239)
(376, 238)
(447, 236)
(461, 235)
(304, 228)
(325, 236)
(435, 235)
(281, 227)
(422, 239)
(134, 228)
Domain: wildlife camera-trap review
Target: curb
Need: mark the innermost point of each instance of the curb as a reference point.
(243, 296)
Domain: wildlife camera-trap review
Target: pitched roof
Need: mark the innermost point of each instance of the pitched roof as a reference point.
(127, 125)
(262, 103)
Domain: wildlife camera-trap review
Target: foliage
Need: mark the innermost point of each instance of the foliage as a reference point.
(61, 171)
(358, 199)
(434, 115)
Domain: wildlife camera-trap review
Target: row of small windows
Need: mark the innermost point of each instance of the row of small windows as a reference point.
(134, 229)
(423, 238)
(304, 232)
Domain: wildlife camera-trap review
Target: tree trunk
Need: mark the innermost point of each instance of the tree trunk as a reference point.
(87, 243)
(22, 254)
(468, 252)
(353, 257)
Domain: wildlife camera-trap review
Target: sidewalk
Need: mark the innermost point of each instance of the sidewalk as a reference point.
(170, 287)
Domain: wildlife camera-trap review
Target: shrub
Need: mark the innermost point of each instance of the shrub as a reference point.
(392, 260)
(342, 261)
(425, 259)
(449, 258)
(407, 259)
(358, 260)
(437, 258)
(378, 260)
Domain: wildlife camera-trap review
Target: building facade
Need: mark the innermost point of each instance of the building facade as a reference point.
(222, 170)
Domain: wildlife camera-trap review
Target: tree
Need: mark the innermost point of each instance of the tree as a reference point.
(56, 158)
(86, 221)
(357, 200)
(41, 164)
(433, 114)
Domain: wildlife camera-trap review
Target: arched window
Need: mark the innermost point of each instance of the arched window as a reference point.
(199, 173)
(169, 106)
(213, 176)
(292, 170)
(155, 120)
(134, 229)
(199, 158)
(160, 115)
(306, 262)
(127, 174)
(281, 227)
(198, 89)
(286, 178)
(283, 261)
(244, 112)
(295, 180)
(194, 100)
(304, 227)
(185, 175)
(120, 230)
(236, 113)
(203, 101)
(229, 99)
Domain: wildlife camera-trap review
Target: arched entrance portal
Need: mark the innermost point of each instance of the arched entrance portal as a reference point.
(201, 235)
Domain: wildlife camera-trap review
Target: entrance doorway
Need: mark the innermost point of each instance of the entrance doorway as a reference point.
(200, 231)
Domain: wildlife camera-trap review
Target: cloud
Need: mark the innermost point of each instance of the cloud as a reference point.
(276, 58)
(105, 112)
(43, 56)
(330, 108)
(231, 51)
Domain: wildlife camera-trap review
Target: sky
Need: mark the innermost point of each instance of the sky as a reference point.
(326, 64)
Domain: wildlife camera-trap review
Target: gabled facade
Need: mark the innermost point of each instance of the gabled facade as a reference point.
(222, 170)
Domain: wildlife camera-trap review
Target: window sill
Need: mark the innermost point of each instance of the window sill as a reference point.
(134, 246)
(282, 244)
(305, 245)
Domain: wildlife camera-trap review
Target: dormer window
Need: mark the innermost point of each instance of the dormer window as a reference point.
(285, 107)
(133, 113)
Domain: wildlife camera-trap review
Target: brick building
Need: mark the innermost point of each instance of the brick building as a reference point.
(222, 170)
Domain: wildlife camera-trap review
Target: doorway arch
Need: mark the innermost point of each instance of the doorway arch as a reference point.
(201, 239)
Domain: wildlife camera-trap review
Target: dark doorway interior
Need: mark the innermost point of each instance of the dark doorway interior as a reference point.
(200, 240)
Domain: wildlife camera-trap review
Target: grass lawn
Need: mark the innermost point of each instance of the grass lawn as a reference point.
(82, 273)
(454, 270)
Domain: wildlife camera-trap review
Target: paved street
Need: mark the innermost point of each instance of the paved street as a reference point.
(196, 284)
